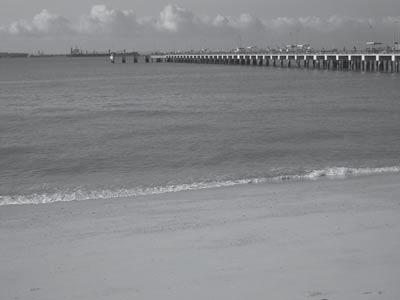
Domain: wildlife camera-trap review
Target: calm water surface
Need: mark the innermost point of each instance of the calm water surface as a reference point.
(82, 128)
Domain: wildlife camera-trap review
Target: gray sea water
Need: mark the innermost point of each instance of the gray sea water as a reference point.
(82, 128)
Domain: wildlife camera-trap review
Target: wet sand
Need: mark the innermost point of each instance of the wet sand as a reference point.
(324, 239)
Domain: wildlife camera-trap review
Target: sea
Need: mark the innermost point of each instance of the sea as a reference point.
(83, 129)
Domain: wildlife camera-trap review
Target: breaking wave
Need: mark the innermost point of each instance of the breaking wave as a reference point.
(80, 195)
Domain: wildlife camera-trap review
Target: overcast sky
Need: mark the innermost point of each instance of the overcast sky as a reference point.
(55, 26)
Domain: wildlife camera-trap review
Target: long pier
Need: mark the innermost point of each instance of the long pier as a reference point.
(367, 62)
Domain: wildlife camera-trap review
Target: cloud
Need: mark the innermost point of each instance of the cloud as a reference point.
(245, 21)
(177, 20)
(44, 23)
(174, 18)
(392, 21)
(179, 25)
(108, 21)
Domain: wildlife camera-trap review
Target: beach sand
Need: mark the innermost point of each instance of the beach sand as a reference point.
(324, 239)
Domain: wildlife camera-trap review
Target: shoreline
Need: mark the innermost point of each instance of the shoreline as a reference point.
(313, 239)
(333, 173)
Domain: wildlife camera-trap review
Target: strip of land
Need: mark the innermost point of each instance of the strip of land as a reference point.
(324, 239)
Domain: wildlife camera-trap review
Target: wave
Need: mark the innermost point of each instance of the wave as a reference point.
(80, 195)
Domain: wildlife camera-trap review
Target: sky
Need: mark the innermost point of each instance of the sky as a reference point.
(150, 25)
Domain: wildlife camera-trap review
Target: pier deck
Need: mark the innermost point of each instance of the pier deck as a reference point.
(382, 62)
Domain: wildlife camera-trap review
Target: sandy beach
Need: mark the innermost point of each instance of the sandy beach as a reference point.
(324, 239)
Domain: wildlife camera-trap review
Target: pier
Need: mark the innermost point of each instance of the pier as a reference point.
(366, 62)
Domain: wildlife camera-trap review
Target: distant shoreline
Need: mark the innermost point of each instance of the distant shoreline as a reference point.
(13, 54)
(26, 55)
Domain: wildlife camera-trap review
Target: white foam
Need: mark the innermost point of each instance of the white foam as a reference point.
(80, 195)
(341, 172)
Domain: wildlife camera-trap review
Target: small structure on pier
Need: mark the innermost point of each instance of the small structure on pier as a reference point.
(122, 56)
(112, 57)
